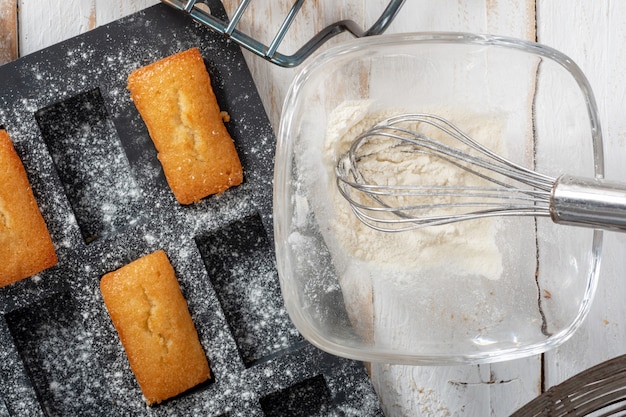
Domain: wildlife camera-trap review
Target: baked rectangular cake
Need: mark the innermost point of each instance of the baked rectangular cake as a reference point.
(25, 244)
(176, 101)
(151, 317)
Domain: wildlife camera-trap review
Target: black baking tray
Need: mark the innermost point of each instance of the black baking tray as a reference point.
(102, 192)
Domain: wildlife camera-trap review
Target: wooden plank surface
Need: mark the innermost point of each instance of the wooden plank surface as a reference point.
(591, 32)
(8, 31)
(43, 23)
(595, 41)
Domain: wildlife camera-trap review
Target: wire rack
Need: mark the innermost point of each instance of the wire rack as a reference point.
(600, 390)
(200, 11)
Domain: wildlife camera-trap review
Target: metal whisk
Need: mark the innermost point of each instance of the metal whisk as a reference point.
(496, 185)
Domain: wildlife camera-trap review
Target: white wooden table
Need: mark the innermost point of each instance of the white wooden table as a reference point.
(593, 33)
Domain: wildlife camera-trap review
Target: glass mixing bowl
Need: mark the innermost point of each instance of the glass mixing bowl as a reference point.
(474, 292)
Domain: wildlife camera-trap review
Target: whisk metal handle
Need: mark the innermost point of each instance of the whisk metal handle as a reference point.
(590, 202)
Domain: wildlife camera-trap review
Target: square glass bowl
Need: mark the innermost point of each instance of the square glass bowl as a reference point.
(474, 292)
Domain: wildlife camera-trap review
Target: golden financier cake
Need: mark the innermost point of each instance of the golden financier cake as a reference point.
(177, 103)
(151, 317)
(25, 244)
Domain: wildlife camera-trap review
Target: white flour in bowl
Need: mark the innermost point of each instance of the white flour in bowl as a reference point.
(395, 285)
(465, 246)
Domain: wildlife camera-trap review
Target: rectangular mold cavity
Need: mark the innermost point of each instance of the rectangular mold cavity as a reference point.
(58, 355)
(92, 165)
(307, 398)
(240, 263)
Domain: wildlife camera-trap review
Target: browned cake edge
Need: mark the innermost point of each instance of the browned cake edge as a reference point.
(26, 247)
(177, 103)
(152, 319)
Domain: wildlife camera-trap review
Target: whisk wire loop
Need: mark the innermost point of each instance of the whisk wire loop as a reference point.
(399, 207)
(494, 186)
(485, 158)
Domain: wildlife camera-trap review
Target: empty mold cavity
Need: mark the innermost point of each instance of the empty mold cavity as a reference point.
(240, 262)
(58, 355)
(91, 163)
(307, 398)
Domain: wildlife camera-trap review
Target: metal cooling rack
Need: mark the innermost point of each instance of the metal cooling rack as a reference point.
(600, 390)
(200, 11)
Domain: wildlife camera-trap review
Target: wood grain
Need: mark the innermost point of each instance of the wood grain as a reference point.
(595, 41)
(8, 31)
(43, 23)
(109, 10)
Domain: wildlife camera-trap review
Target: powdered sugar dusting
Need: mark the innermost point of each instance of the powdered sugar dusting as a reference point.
(102, 192)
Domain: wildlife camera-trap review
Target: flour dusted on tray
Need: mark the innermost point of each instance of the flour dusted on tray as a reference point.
(473, 243)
